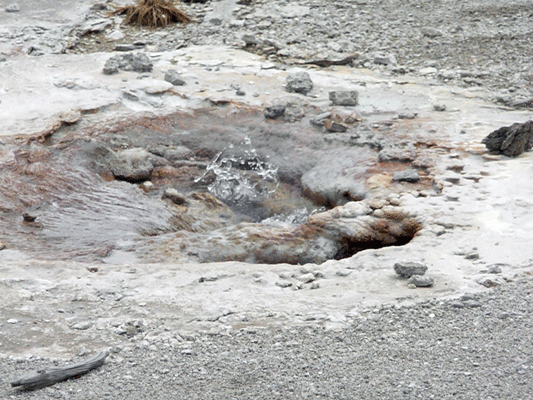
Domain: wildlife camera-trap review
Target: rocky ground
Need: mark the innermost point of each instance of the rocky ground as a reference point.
(433, 79)
(474, 43)
(472, 347)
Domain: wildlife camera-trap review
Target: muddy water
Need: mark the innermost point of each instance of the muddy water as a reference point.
(82, 212)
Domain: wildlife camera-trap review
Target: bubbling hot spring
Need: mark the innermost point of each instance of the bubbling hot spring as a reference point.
(213, 186)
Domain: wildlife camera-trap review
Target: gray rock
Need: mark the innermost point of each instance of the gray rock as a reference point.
(472, 303)
(174, 77)
(82, 326)
(274, 112)
(344, 97)
(250, 40)
(133, 165)
(431, 32)
(439, 107)
(319, 119)
(13, 8)
(384, 59)
(333, 125)
(95, 26)
(472, 255)
(299, 82)
(174, 196)
(408, 175)
(407, 269)
(136, 62)
(421, 281)
(510, 140)
(402, 154)
(178, 153)
(307, 278)
(125, 47)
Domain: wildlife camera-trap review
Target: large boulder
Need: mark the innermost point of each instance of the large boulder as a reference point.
(510, 140)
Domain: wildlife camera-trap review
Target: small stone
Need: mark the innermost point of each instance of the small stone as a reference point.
(12, 321)
(421, 281)
(493, 269)
(343, 272)
(174, 77)
(315, 285)
(307, 278)
(431, 32)
(125, 47)
(136, 62)
(27, 217)
(175, 197)
(274, 112)
(115, 35)
(13, 8)
(70, 117)
(346, 98)
(406, 116)
(384, 59)
(82, 326)
(439, 107)
(408, 268)
(457, 304)
(428, 71)
(283, 284)
(240, 92)
(408, 175)
(250, 40)
(472, 303)
(334, 126)
(473, 255)
(299, 82)
(503, 315)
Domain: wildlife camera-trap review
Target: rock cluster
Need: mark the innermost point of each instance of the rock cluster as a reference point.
(414, 272)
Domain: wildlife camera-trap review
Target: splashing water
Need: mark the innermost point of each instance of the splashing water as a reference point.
(242, 177)
(296, 217)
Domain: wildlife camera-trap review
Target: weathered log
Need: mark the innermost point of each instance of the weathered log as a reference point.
(42, 378)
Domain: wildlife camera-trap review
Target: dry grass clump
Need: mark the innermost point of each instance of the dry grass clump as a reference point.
(152, 13)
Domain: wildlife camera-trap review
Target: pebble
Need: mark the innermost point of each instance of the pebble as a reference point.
(12, 8)
(408, 175)
(81, 326)
(421, 280)
(407, 269)
(173, 76)
(273, 112)
(299, 82)
(307, 278)
(347, 98)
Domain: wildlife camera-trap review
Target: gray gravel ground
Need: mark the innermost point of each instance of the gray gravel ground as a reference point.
(470, 43)
(476, 347)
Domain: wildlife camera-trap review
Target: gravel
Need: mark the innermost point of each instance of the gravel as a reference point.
(477, 347)
(468, 43)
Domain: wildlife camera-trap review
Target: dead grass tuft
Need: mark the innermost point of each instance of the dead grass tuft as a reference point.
(152, 13)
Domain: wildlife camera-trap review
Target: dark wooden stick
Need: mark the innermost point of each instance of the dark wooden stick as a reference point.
(42, 378)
